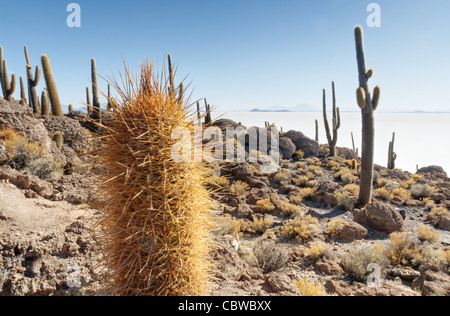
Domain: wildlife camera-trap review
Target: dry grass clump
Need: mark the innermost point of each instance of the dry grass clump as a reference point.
(155, 208)
(220, 183)
(239, 188)
(402, 193)
(299, 154)
(22, 154)
(344, 200)
(289, 208)
(388, 184)
(421, 191)
(345, 175)
(334, 165)
(317, 251)
(302, 181)
(431, 257)
(385, 194)
(303, 194)
(264, 206)
(407, 184)
(358, 260)
(310, 289)
(439, 211)
(335, 226)
(403, 248)
(281, 177)
(260, 225)
(352, 189)
(300, 228)
(315, 170)
(270, 256)
(314, 161)
(426, 233)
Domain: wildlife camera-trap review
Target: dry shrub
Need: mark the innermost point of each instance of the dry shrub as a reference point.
(304, 193)
(220, 183)
(335, 227)
(344, 200)
(358, 260)
(428, 256)
(334, 165)
(289, 208)
(407, 184)
(317, 251)
(239, 188)
(270, 256)
(264, 206)
(403, 248)
(421, 191)
(300, 228)
(352, 188)
(260, 225)
(402, 193)
(426, 233)
(301, 181)
(385, 194)
(310, 289)
(315, 170)
(156, 210)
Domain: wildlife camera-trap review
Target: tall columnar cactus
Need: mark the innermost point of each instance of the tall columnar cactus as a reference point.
(171, 88)
(45, 105)
(88, 101)
(368, 105)
(1, 71)
(10, 86)
(32, 83)
(199, 113)
(392, 155)
(157, 209)
(51, 86)
(58, 138)
(332, 140)
(317, 131)
(95, 98)
(22, 90)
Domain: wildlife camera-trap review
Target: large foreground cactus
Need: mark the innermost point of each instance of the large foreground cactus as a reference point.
(368, 105)
(156, 210)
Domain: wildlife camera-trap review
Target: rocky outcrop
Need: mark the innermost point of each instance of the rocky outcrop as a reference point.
(287, 148)
(352, 231)
(432, 282)
(75, 136)
(380, 216)
(307, 145)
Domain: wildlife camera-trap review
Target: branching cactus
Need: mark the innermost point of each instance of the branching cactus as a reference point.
(10, 86)
(32, 83)
(51, 86)
(156, 208)
(367, 105)
(392, 155)
(332, 139)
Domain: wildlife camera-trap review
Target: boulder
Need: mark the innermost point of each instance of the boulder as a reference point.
(433, 172)
(432, 282)
(352, 231)
(307, 145)
(75, 136)
(380, 216)
(287, 148)
(329, 267)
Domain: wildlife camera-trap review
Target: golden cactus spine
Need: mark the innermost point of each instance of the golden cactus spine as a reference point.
(157, 211)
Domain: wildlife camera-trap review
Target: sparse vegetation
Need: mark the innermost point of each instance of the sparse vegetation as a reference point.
(357, 262)
(335, 227)
(421, 191)
(270, 257)
(344, 200)
(385, 194)
(264, 206)
(426, 233)
(317, 251)
(403, 248)
(300, 228)
(239, 188)
(310, 289)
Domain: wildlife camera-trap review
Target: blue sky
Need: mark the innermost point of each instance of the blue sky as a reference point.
(242, 54)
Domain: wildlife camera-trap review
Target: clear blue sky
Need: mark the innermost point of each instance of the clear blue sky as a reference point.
(242, 54)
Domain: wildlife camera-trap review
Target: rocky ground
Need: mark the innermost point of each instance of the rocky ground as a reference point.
(293, 232)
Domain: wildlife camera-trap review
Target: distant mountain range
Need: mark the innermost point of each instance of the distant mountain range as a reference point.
(279, 108)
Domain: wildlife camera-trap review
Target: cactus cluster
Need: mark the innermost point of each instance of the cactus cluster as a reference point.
(156, 215)
(332, 139)
(8, 87)
(368, 105)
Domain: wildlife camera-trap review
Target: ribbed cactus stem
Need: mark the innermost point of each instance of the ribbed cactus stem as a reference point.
(45, 105)
(70, 108)
(199, 113)
(180, 93)
(368, 123)
(332, 139)
(95, 98)
(88, 101)
(22, 89)
(51, 86)
(208, 113)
